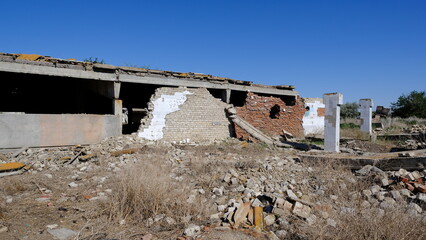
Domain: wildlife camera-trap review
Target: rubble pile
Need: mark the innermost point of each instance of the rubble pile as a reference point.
(415, 129)
(413, 144)
(395, 186)
(272, 193)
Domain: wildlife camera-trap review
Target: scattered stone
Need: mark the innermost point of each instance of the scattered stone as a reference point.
(301, 210)
(52, 226)
(331, 222)
(62, 233)
(241, 214)
(291, 194)
(281, 234)
(218, 191)
(269, 219)
(192, 230)
(72, 185)
(3, 229)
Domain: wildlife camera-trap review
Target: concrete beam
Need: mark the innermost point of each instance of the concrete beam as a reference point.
(163, 81)
(57, 72)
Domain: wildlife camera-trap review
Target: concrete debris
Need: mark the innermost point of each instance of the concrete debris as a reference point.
(301, 210)
(62, 233)
(3, 229)
(192, 230)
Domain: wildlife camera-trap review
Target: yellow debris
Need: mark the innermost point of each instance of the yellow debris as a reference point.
(65, 158)
(258, 218)
(87, 157)
(11, 166)
(29, 57)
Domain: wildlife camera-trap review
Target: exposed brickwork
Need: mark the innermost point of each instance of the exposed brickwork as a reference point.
(257, 110)
(321, 112)
(201, 118)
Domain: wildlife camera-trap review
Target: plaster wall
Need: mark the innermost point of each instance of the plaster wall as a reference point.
(313, 120)
(19, 130)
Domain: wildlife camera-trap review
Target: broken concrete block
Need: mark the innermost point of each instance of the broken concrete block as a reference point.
(271, 236)
(331, 222)
(282, 234)
(62, 233)
(417, 175)
(240, 215)
(256, 203)
(415, 207)
(291, 194)
(301, 210)
(421, 197)
(385, 182)
(3, 229)
(396, 195)
(218, 191)
(288, 206)
(269, 220)
(227, 178)
(368, 169)
(192, 230)
(375, 189)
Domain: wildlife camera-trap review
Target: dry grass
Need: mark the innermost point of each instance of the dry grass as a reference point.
(12, 186)
(146, 190)
(353, 133)
(362, 223)
(393, 224)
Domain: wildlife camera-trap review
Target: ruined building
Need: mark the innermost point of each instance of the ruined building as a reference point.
(47, 101)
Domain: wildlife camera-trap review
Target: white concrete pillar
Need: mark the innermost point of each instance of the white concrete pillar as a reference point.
(365, 108)
(118, 110)
(332, 103)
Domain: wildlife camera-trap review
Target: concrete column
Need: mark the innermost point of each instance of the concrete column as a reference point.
(226, 95)
(332, 103)
(365, 108)
(118, 110)
(117, 86)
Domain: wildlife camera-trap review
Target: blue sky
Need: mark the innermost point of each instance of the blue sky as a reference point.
(362, 49)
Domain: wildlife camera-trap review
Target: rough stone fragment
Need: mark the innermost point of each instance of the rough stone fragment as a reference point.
(240, 215)
(269, 220)
(192, 230)
(62, 233)
(291, 194)
(301, 210)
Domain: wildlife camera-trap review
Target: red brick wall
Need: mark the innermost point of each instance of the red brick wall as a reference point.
(256, 111)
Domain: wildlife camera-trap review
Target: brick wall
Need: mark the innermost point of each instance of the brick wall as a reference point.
(201, 118)
(257, 111)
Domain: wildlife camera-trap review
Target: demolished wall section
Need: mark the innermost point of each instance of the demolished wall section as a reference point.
(271, 115)
(198, 118)
(313, 119)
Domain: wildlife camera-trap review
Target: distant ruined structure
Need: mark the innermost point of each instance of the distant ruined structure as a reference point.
(47, 101)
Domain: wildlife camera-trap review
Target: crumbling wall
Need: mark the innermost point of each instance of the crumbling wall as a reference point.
(193, 115)
(271, 115)
(313, 119)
